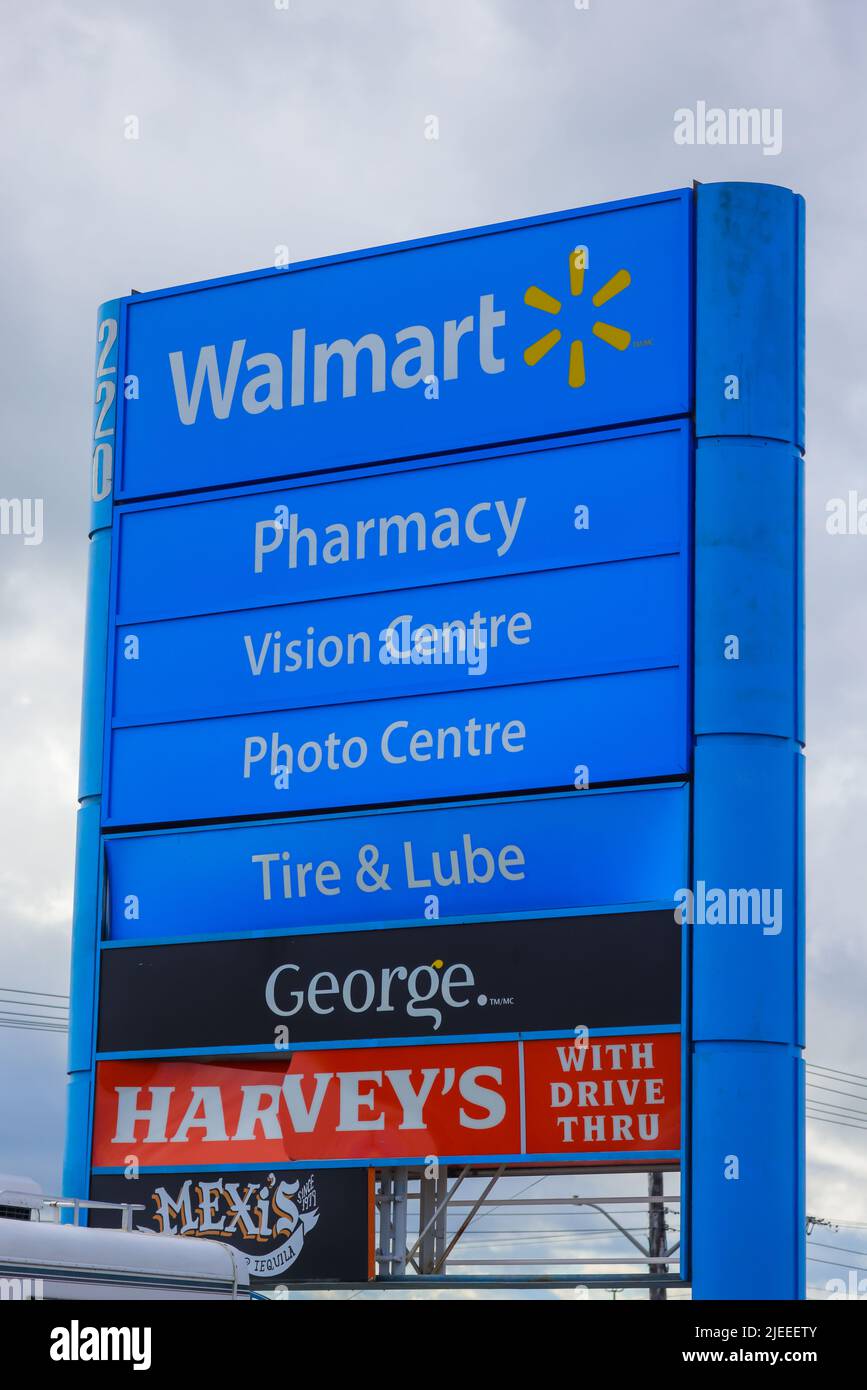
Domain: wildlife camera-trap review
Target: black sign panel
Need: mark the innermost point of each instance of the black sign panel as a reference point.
(290, 1224)
(552, 974)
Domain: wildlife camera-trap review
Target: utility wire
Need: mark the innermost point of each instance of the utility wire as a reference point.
(856, 1076)
(836, 1106)
(31, 1010)
(832, 1091)
(836, 1112)
(845, 1249)
(838, 1264)
(13, 989)
(842, 1123)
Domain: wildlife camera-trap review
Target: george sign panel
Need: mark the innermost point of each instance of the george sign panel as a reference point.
(288, 1225)
(521, 976)
(548, 1099)
(588, 849)
(481, 337)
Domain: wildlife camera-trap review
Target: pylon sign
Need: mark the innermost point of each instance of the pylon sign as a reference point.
(433, 671)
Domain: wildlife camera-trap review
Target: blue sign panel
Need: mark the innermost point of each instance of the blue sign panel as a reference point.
(555, 854)
(597, 499)
(550, 734)
(504, 333)
(548, 625)
(527, 680)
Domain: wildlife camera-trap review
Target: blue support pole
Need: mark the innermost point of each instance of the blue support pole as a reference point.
(87, 910)
(747, 1016)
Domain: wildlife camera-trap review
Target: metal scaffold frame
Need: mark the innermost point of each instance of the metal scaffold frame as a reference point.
(427, 1260)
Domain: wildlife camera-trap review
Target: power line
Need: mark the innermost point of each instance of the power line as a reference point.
(844, 1111)
(831, 1090)
(57, 1014)
(838, 1109)
(34, 1027)
(32, 1017)
(842, 1123)
(856, 1076)
(837, 1264)
(850, 1121)
(13, 989)
(32, 1000)
(845, 1249)
(31, 1010)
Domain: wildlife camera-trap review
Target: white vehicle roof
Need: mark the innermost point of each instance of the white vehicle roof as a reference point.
(122, 1264)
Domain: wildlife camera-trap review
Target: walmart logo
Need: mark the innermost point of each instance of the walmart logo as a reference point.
(295, 371)
(617, 338)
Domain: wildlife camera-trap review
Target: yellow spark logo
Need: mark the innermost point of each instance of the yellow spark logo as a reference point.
(615, 337)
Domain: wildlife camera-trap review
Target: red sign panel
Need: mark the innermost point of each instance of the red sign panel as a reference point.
(611, 1095)
(558, 1098)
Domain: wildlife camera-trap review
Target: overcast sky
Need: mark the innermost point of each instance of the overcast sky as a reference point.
(305, 126)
